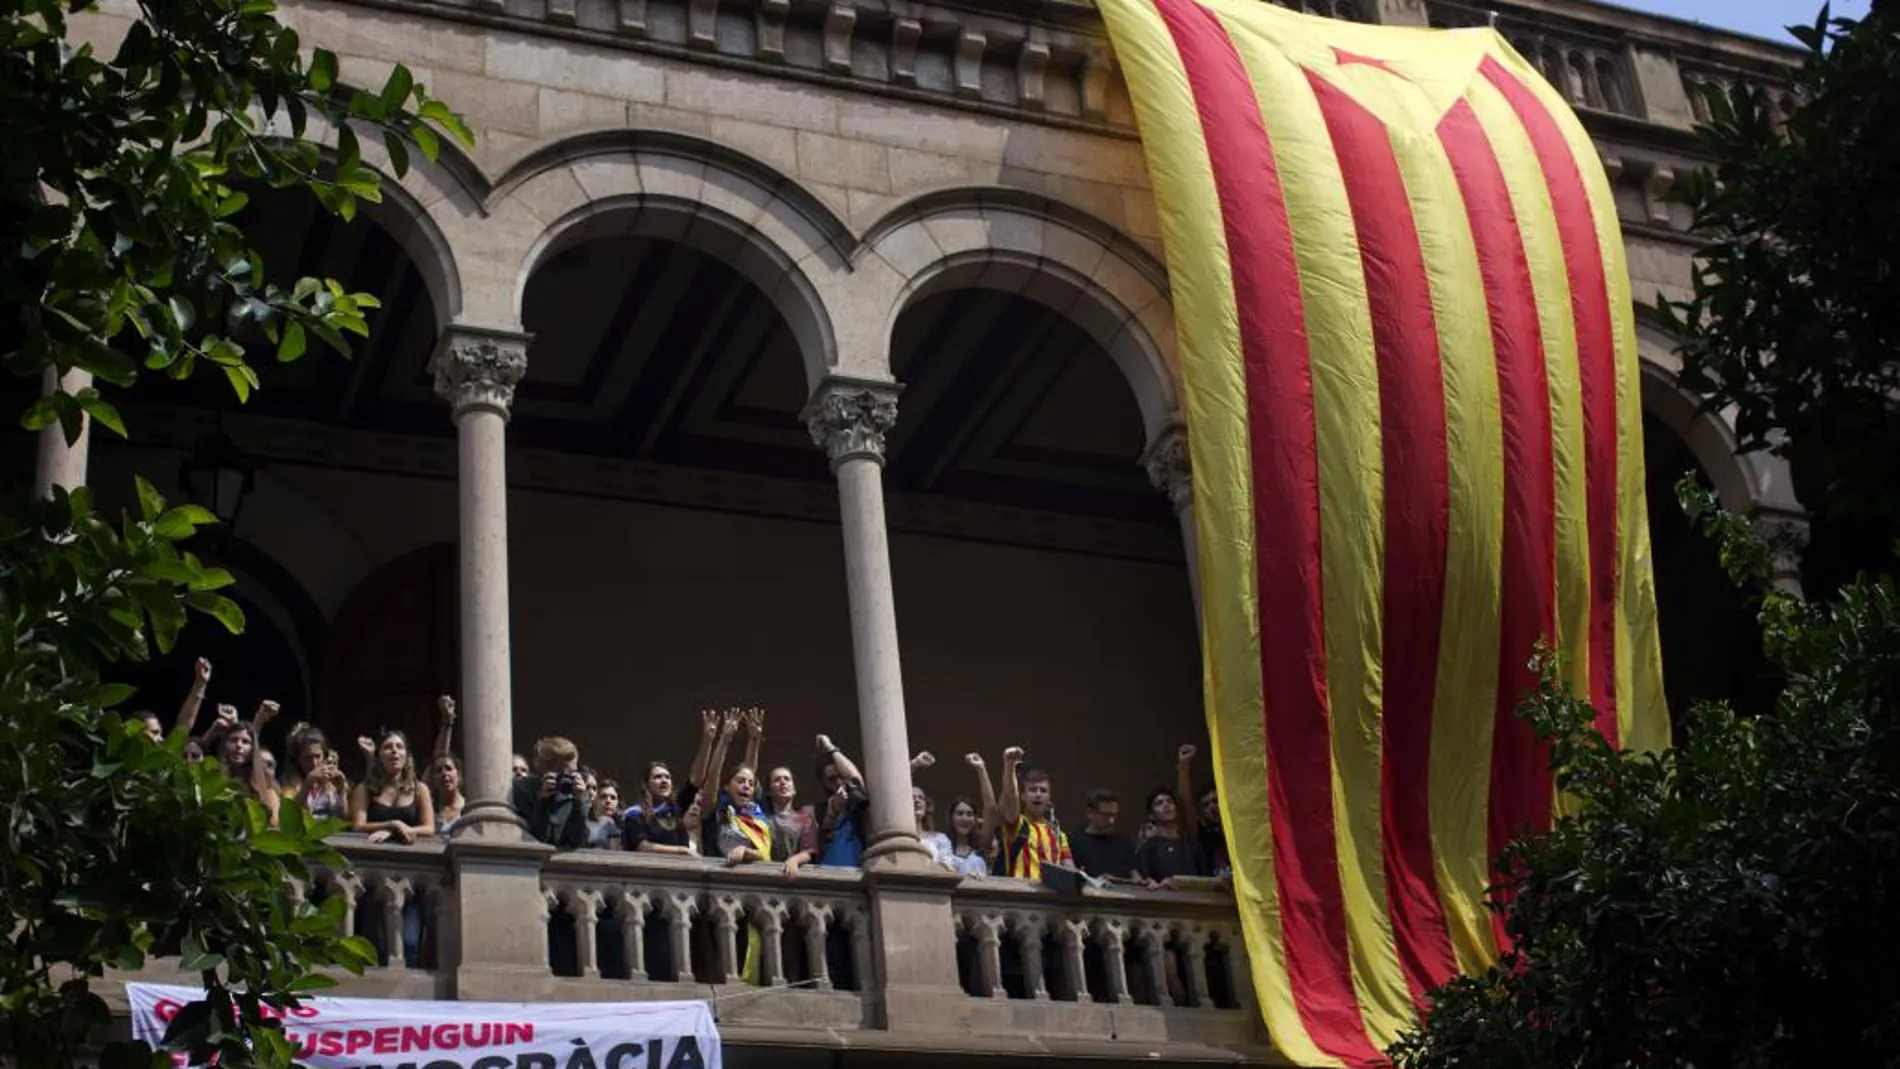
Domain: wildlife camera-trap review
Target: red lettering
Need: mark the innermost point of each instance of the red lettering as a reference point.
(415, 1038)
(517, 1033)
(446, 1037)
(359, 1038)
(330, 1044)
(305, 1011)
(166, 1010)
(386, 1040)
(472, 1038)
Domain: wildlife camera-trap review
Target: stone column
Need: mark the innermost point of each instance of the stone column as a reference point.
(849, 418)
(1787, 536)
(61, 464)
(476, 372)
(1169, 469)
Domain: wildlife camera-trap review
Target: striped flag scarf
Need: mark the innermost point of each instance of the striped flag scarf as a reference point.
(1409, 362)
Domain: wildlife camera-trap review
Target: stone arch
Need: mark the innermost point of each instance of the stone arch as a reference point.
(1747, 483)
(1050, 253)
(409, 206)
(674, 188)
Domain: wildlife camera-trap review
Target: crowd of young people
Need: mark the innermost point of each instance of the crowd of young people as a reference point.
(731, 814)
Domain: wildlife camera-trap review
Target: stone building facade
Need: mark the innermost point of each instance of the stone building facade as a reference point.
(818, 355)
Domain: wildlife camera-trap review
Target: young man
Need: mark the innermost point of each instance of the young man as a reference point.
(555, 806)
(1032, 838)
(1100, 850)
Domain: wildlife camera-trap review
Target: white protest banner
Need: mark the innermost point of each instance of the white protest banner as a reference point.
(379, 1033)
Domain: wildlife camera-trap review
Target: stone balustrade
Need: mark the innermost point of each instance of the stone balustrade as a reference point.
(1128, 963)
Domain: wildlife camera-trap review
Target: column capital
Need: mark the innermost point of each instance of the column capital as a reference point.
(1787, 536)
(1170, 467)
(476, 368)
(849, 417)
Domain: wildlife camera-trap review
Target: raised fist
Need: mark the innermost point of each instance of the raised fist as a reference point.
(974, 760)
(366, 744)
(1014, 753)
(1187, 753)
(447, 705)
(203, 671)
(824, 744)
(923, 760)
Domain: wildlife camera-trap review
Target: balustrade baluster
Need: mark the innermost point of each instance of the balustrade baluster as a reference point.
(1154, 942)
(1113, 932)
(681, 906)
(815, 918)
(1192, 939)
(583, 904)
(728, 914)
(632, 912)
(1075, 937)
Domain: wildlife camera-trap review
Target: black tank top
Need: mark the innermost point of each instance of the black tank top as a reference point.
(410, 814)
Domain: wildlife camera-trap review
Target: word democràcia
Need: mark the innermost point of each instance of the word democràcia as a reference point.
(341, 1047)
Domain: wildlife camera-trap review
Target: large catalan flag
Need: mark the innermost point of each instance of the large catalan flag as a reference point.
(1409, 361)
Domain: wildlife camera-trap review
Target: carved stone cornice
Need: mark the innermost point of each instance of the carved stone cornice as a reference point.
(479, 369)
(1170, 468)
(849, 418)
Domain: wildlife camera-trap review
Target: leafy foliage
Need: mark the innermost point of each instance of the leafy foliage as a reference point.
(1792, 320)
(121, 180)
(1732, 902)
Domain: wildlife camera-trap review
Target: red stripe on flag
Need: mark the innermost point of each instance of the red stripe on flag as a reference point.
(1596, 372)
(1417, 511)
(1285, 471)
(1520, 770)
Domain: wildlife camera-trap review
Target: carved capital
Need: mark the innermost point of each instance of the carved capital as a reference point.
(1787, 538)
(849, 419)
(1170, 468)
(479, 369)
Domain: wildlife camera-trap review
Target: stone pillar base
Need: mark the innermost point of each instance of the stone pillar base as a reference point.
(914, 947)
(489, 822)
(498, 934)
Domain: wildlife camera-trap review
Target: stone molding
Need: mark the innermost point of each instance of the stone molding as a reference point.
(1170, 468)
(479, 369)
(849, 418)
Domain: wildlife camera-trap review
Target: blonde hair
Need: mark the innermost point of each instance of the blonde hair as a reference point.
(552, 752)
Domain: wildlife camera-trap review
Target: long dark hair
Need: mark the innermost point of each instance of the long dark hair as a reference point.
(976, 830)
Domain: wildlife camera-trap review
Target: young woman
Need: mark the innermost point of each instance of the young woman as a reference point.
(661, 824)
(966, 846)
(925, 811)
(235, 743)
(315, 780)
(747, 834)
(444, 780)
(392, 803)
(782, 794)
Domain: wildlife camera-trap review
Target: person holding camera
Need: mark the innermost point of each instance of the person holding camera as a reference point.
(554, 802)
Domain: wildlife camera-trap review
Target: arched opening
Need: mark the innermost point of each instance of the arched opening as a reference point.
(395, 649)
(1711, 643)
(673, 540)
(1042, 590)
(308, 525)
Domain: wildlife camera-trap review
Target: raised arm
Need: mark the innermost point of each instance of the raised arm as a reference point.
(754, 720)
(923, 760)
(708, 730)
(1184, 806)
(445, 727)
(1011, 809)
(194, 698)
(986, 796)
(716, 765)
(847, 771)
(261, 780)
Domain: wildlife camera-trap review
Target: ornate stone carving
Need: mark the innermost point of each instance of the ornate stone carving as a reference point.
(1169, 467)
(480, 370)
(849, 420)
(1787, 538)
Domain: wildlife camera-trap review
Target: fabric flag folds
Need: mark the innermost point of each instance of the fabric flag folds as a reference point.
(1409, 361)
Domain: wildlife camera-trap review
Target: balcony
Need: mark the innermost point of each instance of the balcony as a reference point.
(846, 961)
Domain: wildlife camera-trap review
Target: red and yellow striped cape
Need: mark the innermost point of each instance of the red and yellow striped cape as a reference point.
(1409, 361)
